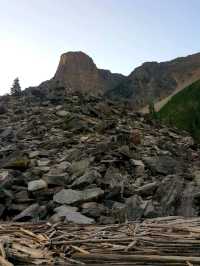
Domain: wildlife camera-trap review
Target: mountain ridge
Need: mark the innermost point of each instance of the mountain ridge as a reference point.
(152, 81)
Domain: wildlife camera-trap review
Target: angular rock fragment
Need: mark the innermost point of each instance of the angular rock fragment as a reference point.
(93, 209)
(69, 196)
(88, 178)
(113, 178)
(139, 167)
(34, 154)
(7, 133)
(65, 208)
(78, 218)
(150, 210)
(169, 195)
(43, 163)
(188, 207)
(56, 179)
(79, 167)
(196, 176)
(6, 179)
(119, 212)
(32, 212)
(70, 214)
(64, 166)
(135, 208)
(147, 189)
(18, 164)
(106, 220)
(37, 185)
(62, 113)
(162, 165)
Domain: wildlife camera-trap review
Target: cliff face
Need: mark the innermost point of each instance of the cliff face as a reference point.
(155, 81)
(76, 71)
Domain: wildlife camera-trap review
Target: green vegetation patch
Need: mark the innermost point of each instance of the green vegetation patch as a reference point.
(183, 110)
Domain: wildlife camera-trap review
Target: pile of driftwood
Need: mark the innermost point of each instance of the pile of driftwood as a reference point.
(161, 241)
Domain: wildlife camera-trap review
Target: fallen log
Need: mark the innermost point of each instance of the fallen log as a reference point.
(71, 242)
(134, 258)
(155, 242)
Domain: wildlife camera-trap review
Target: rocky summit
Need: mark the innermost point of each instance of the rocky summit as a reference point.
(77, 71)
(89, 160)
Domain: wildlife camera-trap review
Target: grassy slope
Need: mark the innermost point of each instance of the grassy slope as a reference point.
(183, 110)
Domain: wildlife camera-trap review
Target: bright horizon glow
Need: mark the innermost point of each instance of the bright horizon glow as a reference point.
(118, 35)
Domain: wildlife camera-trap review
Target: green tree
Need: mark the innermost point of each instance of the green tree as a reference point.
(16, 88)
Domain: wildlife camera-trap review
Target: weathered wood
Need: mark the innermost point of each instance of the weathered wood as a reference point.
(71, 242)
(81, 250)
(130, 258)
(170, 241)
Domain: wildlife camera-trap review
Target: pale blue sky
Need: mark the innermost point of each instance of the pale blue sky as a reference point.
(118, 34)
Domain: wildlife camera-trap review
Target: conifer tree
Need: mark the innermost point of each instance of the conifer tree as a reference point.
(16, 88)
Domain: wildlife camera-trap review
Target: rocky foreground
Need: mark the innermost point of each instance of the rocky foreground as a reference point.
(85, 161)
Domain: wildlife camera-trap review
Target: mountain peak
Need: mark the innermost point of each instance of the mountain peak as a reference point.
(75, 61)
(77, 71)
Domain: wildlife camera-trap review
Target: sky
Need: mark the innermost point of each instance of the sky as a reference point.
(118, 34)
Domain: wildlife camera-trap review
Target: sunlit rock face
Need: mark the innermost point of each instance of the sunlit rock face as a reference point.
(77, 71)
